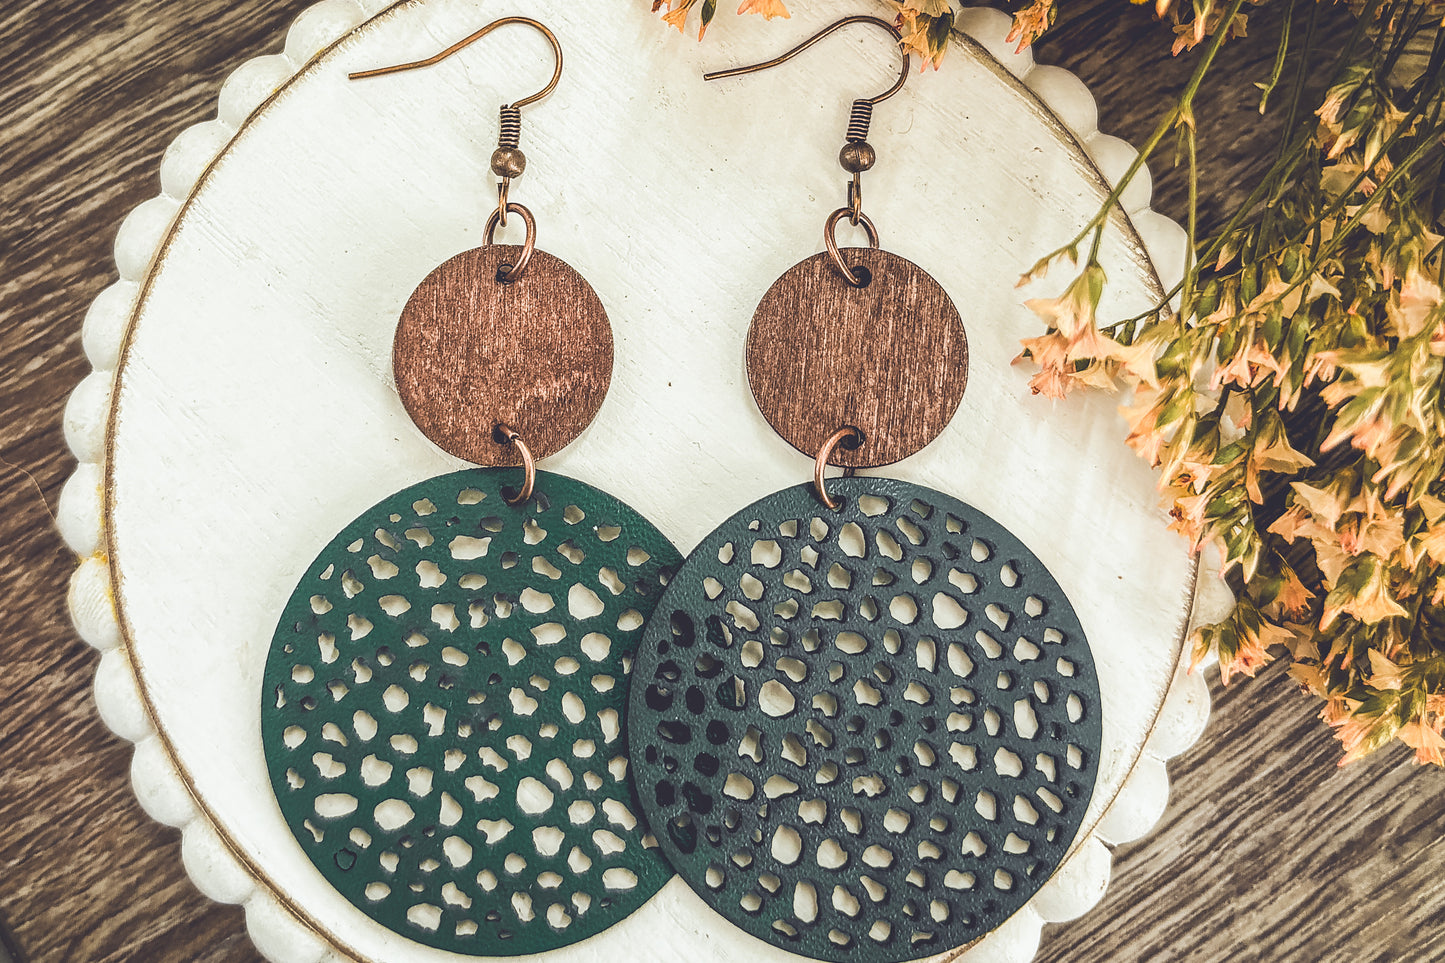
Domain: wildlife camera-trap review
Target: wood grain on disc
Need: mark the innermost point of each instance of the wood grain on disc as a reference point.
(472, 352)
(889, 358)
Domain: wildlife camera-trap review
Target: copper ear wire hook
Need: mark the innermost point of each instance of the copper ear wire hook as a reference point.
(468, 41)
(507, 161)
(839, 25)
(857, 154)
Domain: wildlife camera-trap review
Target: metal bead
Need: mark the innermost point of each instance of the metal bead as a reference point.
(508, 162)
(857, 157)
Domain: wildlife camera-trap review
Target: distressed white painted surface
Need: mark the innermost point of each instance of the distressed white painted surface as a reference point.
(255, 414)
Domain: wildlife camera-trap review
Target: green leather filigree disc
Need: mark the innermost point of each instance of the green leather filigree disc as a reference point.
(865, 734)
(443, 712)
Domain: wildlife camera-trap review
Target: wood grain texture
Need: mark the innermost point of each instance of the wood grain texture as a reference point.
(1267, 852)
(889, 358)
(474, 352)
(91, 92)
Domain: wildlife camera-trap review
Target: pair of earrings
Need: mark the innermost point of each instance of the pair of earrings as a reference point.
(860, 718)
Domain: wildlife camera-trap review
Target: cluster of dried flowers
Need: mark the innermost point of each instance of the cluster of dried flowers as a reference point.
(1292, 403)
(1291, 399)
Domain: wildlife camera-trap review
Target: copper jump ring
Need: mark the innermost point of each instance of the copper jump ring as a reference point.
(830, 238)
(855, 199)
(527, 247)
(508, 434)
(820, 465)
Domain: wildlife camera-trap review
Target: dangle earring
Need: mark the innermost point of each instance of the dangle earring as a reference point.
(864, 721)
(442, 712)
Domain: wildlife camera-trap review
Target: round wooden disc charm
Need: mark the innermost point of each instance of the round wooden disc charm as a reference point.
(889, 358)
(473, 350)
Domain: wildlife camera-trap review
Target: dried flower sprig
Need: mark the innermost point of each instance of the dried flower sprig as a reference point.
(1294, 409)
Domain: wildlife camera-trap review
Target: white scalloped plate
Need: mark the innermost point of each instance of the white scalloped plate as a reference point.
(240, 410)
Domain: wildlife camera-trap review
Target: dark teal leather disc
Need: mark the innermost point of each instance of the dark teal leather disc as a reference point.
(443, 712)
(864, 734)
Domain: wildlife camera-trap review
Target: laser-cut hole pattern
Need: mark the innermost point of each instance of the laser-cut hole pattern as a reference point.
(864, 734)
(443, 709)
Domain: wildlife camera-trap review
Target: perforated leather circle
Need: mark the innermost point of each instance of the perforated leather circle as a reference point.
(864, 734)
(442, 712)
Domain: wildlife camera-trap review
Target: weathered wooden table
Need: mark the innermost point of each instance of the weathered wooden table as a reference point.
(1267, 850)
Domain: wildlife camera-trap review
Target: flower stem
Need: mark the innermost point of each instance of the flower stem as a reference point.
(1181, 111)
(1279, 57)
(1191, 266)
